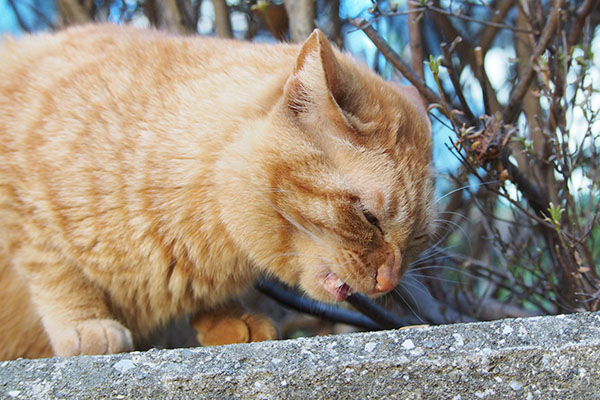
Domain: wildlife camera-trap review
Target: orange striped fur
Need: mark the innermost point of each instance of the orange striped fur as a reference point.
(145, 176)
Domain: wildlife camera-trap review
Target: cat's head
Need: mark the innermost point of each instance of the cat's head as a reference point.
(351, 187)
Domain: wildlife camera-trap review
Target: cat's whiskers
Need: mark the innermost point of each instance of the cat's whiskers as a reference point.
(354, 283)
(451, 224)
(416, 312)
(338, 266)
(463, 188)
(353, 277)
(415, 283)
(422, 179)
(427, 256)
(446, 222)
(412, 274)
(467, 219)
(437, 254)
(460, 271)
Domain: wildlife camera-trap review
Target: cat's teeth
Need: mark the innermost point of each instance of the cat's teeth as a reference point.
(339, 283)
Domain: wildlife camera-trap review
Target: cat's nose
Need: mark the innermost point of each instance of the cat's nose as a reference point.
(388, 274)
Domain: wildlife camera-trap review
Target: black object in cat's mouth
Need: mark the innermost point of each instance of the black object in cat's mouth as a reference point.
(336, 287)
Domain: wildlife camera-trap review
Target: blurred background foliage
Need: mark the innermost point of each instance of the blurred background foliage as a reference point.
(513, 94)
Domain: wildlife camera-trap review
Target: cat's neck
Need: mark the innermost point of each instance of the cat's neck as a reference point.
(248, 178)
(216, 183)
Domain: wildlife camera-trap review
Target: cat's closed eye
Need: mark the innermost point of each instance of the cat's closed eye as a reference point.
(372, 219)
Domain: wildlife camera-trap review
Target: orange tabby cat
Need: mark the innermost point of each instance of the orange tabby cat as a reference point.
(145, 176)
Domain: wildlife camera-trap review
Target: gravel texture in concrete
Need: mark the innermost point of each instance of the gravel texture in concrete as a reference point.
(535, 358)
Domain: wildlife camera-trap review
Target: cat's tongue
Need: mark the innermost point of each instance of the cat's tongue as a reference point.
(338, 289)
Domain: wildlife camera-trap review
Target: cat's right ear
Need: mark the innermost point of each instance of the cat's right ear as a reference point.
(315, 91)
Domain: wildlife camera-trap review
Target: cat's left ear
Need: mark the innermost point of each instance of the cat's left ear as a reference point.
(412, 94)
(315, 90)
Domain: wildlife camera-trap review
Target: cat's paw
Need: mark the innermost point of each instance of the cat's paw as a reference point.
(93, 336)
(215, 331)
(259, 327)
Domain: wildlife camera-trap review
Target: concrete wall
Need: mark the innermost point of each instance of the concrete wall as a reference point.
(535, 358)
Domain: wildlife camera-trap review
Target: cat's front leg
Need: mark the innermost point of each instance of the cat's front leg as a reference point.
(231, 324)
(72, 308)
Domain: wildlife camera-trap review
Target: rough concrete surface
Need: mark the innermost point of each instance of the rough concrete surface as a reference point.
(535, 358)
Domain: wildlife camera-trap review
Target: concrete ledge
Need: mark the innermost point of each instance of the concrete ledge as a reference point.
(535, 358)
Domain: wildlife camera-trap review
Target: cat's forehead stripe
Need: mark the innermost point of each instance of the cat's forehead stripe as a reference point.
(379, 200)
(392, 210)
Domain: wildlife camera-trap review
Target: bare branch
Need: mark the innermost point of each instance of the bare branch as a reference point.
(468, 57)
(222, 21)
(189, 13)
(455, 80)
(274, 17)
(167, 15)
(73, 13)
(301, 14)
(151, 12)
(488, 35)
(428, 7)
(416, 47)
(20, 21)
(490, 309)
(333, 27)
(397, 62)
(513, 109)
(584, 11)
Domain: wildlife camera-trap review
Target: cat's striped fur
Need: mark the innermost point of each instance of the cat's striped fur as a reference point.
(145, 176)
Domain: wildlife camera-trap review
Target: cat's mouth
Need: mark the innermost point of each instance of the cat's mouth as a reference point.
(336, 287)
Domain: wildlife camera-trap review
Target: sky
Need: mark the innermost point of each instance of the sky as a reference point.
(8, 21)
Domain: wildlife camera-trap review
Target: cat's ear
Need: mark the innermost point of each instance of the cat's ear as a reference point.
(315, 88)
(412, 94)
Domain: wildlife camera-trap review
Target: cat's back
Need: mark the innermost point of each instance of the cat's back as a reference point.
(107, 48)
(100, 114)
(133, 44)
(119, 81)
